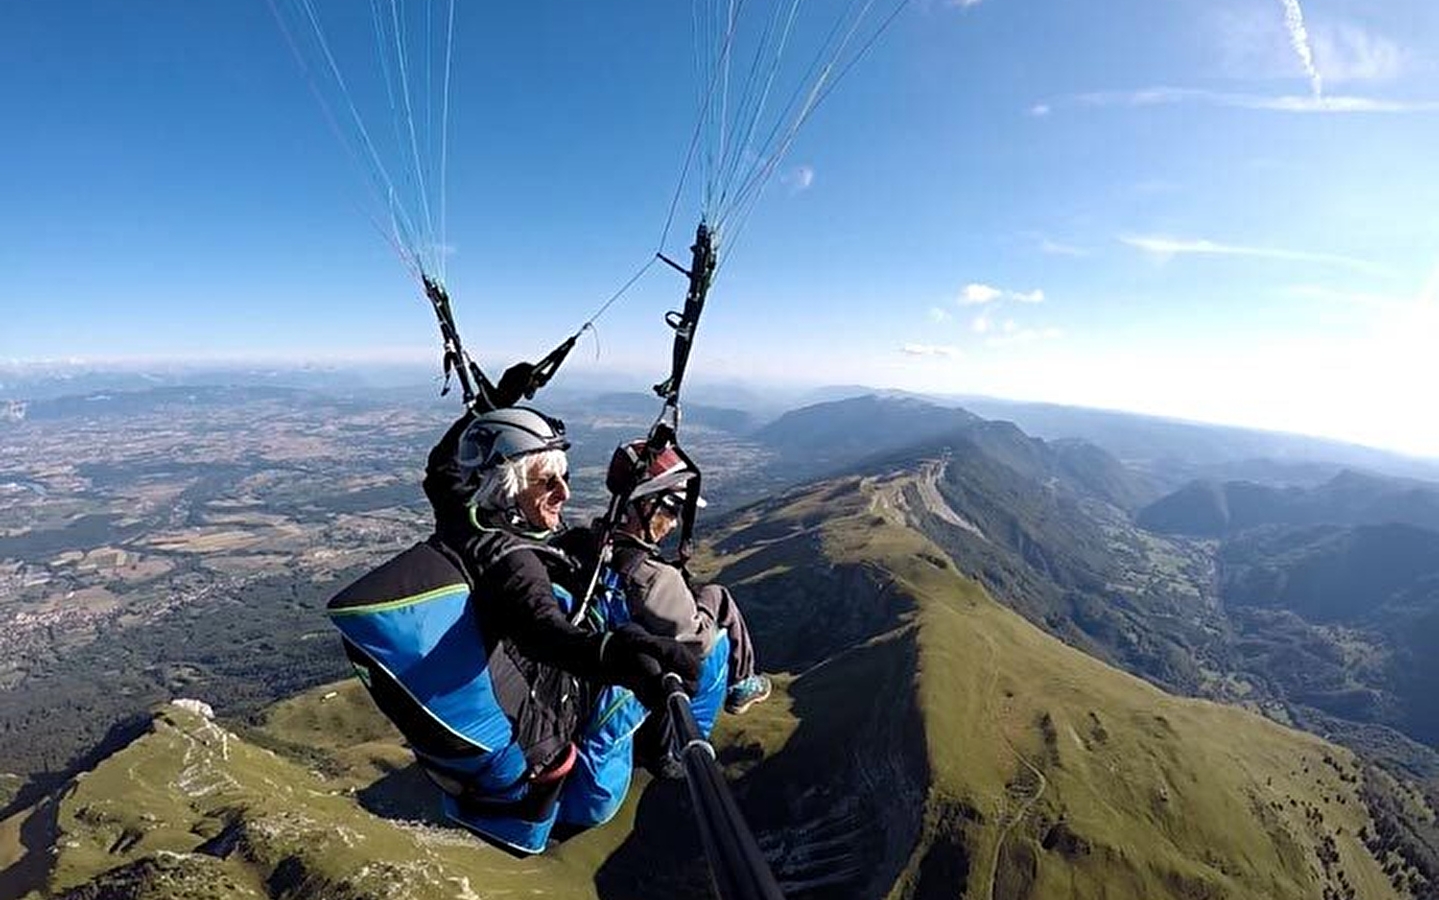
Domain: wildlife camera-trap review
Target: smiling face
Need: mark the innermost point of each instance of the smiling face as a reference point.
(543, 500)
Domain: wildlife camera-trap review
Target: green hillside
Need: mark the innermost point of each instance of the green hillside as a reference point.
(1051, 774)
(1093, 783)
(191, 810)
(1344, 618)
(925, 742)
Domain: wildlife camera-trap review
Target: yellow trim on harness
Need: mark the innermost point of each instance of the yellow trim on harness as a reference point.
(387, 605)
(624, 695)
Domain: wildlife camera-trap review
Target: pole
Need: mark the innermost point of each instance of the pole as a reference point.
(738, 868)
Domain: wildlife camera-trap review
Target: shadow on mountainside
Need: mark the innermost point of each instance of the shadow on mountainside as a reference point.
(405, 793)
(837, 810)
(116, 736)
(37, 836)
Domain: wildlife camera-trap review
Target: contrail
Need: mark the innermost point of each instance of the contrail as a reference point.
(1299, 39)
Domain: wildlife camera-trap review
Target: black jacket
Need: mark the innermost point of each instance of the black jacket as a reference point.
(515, 575)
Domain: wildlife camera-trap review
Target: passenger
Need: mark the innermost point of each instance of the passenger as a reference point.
(659, 594)
(522, 718)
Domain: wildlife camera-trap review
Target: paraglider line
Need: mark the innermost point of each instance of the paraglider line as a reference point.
(823, 89)
(604, 307)
(410, 119)
(754, 106)
(390, 237)
(694, 141)
(445, 140)
(350, 103)
(828, 49)
(766, 166)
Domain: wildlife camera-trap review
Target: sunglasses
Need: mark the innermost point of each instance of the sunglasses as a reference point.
(552, 484)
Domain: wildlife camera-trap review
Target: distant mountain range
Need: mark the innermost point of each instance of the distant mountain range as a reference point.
(1051, 528)
(1212, 509)
(100, 404)
(47, 382)
(828, 436)
(1179, 450)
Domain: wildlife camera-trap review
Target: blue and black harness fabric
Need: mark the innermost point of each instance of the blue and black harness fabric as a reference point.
(515, 745)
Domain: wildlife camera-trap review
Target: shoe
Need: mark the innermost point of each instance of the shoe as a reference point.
(746, 693)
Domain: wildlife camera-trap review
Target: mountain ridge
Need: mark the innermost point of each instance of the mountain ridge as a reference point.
(1205, 508)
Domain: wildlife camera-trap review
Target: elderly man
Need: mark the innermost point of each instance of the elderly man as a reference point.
(520, 717)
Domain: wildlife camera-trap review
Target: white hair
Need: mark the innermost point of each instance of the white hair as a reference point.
(501, 486)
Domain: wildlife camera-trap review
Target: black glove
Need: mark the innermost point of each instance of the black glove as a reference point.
(636, 659)
(515, 385)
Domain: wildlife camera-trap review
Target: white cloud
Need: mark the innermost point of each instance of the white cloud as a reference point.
(930, 350)
(1164, 96)
(1039, 110)
(974, 294)
(800, 178)
(1165, 248)
(1338, 104)
(1359, 383)
(1253, 43)
(937, 314)
(993, 300)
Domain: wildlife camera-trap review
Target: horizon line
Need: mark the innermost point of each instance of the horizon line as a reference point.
(350, 363)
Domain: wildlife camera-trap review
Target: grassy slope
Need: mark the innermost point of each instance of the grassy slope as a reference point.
(1168, 797)
(174, 788)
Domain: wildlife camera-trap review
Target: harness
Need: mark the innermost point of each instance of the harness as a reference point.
(488, 725)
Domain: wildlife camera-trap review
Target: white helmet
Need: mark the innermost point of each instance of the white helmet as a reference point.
(504, 434)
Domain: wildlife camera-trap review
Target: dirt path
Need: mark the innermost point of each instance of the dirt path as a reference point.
(1026, 803)
(889, 501)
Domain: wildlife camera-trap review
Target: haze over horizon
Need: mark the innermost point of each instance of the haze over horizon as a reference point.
(1193, 210)
(421, 371)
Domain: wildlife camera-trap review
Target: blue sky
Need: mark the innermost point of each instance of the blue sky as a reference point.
(1215, 210)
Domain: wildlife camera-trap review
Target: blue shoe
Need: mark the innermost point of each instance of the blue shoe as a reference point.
(746, 693)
